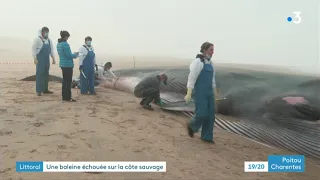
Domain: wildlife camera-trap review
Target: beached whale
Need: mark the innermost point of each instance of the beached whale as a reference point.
(275, 109)
(51, 78)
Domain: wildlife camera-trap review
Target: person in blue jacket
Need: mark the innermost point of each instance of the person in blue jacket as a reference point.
(87, 63)
(202, 88)
(66, 64)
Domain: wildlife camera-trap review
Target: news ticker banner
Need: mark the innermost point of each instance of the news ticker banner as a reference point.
(277, 163)
(110, 166)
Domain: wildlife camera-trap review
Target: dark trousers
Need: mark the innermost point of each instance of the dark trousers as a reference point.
(148, 95)
(67, 73)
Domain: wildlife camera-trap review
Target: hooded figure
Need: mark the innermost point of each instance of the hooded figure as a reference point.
(42, 49)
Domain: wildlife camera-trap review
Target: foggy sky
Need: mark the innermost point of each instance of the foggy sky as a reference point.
(246, 31)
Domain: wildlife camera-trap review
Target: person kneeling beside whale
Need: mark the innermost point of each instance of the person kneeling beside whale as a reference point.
(149, 90)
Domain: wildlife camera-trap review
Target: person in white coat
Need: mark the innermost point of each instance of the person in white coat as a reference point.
(102, 72)
(42, 49)
(202, 87)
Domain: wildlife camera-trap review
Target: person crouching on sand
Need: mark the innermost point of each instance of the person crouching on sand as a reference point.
(149, 90)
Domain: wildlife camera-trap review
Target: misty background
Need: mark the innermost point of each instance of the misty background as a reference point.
(244, 32)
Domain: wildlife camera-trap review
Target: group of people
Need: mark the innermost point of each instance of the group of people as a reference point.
(201, 86)
(90, 72)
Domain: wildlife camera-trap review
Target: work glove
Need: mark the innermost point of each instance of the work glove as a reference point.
(187, 98)
(81, 67)
(35, 61)
(160, 103)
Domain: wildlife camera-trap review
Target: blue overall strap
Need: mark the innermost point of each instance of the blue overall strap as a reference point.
(96, 66)
(43, 41)
(86, 47)
(87, 50)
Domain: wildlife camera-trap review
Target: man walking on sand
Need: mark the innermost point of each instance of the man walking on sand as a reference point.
(42, 49)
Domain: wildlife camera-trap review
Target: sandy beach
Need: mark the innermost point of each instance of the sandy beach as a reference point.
(113, 127)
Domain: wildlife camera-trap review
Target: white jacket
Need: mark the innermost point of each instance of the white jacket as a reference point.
(83, 53)
(38, 43)
(195, 69)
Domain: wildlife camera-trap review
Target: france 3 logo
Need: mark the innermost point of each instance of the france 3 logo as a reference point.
(296, 19)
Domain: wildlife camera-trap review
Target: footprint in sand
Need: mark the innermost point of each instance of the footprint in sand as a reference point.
(29, 115)
(100, 102)
(5, 170)
(113, 114)
(16, 101)
(129, 121)
(84, 141)
(5, 132)
(138, 150)
(37, 124)
(33, 151)
(67, 136)
(103, 120)
(92, 115)
(85, 131)
(62, 147)
(13, 155)
(162, 116)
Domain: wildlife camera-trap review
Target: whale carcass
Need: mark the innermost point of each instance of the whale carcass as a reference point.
(272, 108)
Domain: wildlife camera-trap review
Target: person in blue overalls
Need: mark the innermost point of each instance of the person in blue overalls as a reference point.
(87, 61)
(202, 88)
(42, 49)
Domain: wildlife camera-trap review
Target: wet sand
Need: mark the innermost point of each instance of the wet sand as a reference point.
(113, 127)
